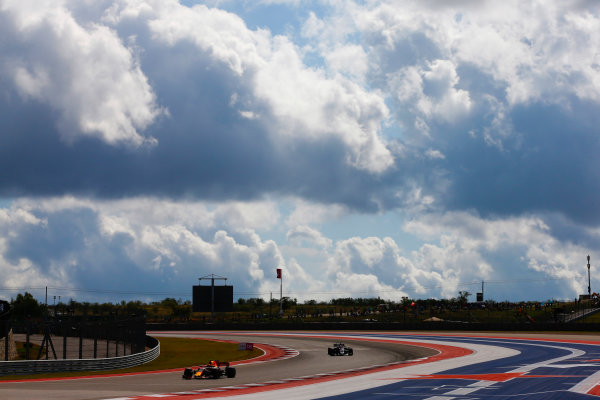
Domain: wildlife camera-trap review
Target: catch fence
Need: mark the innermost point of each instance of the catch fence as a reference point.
(75, 339)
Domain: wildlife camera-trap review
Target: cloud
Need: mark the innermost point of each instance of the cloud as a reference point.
(229, 112)
(500, 250)
(84, 73)
(433, 92)
(237, 113)
(301, 234)
(149, 137)
(313, 213)
(96, 247)
(78, 244)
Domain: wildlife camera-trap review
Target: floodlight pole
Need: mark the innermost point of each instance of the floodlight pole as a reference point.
(281, 295)
(589, 280)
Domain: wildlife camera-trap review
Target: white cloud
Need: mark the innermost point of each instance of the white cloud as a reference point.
(303, 234)
(414, 199)
(169, 245)
(518, 54)
(434, 154)
(296, 119)
(535, 48)
(431, 92)
(308, 213)
(85, 73)
(306, 103)
(466, 241)
(349, 59)
(381, 261)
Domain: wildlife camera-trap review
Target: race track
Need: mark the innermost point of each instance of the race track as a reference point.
(443, 367)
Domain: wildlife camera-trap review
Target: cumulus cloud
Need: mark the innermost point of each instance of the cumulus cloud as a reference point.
(303, 100)
(470, 245)
(152, 136)
(307, 213)
(230, 112)
(94, 245)
(85, 245)
(85, 73)
(301, 234)
(433, 92)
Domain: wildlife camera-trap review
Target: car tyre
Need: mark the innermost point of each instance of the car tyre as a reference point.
(230, 372)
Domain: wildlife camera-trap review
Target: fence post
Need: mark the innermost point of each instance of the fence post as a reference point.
(80, 341)
(27, 342)
(6, 330)
(96, 342)
(64, 343)
(117, 342)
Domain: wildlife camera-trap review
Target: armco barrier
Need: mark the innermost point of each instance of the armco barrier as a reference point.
(97, 364)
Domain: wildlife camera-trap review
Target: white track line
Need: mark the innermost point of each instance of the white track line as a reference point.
(481, 353)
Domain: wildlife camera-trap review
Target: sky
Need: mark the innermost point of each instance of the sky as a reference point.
(367, 148)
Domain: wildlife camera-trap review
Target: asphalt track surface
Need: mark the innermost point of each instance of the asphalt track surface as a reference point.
(312, 359)
(447, 367)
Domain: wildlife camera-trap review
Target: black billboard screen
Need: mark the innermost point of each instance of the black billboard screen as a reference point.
(202, 295)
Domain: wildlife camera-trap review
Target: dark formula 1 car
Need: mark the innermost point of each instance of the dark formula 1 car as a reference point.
(340, 349)
(212, 370)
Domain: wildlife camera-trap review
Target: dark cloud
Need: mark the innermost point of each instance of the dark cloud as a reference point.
(548, 164)
(205, 150)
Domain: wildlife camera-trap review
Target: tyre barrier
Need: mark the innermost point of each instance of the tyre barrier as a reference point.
(96, 364)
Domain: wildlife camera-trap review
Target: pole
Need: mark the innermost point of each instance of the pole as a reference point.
(212, 299)
(281, 295)
(212, 278)
(589, 280)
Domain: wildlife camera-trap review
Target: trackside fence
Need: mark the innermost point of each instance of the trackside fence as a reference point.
(387, 326)
(99, 364)
(55, 345)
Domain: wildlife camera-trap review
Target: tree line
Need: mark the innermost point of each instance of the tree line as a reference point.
(25, 306)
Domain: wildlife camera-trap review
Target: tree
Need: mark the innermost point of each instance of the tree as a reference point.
(256, 301)
(288, 302)
(25, 306)
(462, 296)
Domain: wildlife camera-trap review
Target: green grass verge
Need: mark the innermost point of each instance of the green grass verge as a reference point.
(174, 353)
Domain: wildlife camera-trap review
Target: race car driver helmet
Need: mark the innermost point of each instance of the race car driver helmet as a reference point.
(212, 363)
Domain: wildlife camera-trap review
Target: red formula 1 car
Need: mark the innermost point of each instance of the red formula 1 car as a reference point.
(212, 370)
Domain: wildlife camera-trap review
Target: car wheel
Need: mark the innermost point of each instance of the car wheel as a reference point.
(230, 372)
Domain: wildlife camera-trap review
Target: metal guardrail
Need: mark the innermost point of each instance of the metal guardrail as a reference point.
(98, 364)
(576, 315)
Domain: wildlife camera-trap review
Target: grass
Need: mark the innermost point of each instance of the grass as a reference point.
(174, 353)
